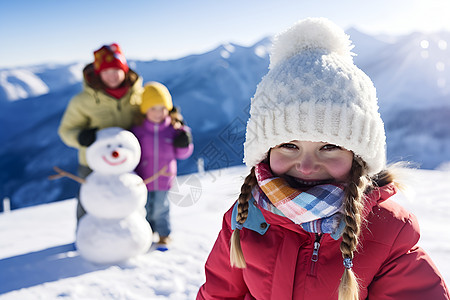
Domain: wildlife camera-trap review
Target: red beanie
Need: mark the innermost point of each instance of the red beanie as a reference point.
(109, 56)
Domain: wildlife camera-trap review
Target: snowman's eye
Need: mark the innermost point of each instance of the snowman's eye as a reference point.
(120, 146)
(108, 146)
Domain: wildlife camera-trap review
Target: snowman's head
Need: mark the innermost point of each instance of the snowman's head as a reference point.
(115, 151)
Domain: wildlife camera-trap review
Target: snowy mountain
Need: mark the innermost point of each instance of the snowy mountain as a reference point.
(23, 83)
(214, 90)
(412, 77)
(40, 262)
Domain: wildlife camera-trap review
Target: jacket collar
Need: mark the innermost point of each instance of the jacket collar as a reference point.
(152, 127)
(377, 196)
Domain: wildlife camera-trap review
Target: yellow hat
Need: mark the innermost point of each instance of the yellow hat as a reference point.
(154, 94)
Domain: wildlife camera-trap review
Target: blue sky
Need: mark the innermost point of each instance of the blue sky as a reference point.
(62, 31)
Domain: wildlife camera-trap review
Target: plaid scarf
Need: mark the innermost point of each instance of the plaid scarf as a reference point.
(317, 210)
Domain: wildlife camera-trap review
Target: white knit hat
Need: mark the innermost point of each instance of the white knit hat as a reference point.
(314, 92)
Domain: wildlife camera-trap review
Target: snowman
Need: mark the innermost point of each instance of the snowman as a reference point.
(114, 227)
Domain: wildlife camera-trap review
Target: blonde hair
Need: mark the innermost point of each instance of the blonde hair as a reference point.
(359, 182)
(353, 206)
(236, 255)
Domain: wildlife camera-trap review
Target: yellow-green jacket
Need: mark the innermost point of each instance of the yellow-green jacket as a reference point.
(94, 108)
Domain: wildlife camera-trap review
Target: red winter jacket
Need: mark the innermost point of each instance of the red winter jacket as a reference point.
(279, 255)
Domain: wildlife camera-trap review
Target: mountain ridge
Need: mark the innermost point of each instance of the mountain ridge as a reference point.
(213, 90)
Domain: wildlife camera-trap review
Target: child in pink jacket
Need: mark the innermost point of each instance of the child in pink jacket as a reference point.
(163, 138)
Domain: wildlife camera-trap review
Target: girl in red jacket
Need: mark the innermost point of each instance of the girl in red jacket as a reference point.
(314, 219)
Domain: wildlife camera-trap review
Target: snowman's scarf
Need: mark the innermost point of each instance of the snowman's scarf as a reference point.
(316, 210)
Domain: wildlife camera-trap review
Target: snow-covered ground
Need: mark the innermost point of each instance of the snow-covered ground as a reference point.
(38, 259)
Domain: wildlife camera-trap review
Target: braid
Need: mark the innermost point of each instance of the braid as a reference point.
(236, 254)
(176, 117)
(353, 205)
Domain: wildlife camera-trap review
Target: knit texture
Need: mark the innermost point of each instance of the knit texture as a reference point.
(109, 56)
(154, 94)
(314, 92)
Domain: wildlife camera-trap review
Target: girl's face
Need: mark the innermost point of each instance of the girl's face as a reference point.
(112, 77)
(311, 163)
(157, 114)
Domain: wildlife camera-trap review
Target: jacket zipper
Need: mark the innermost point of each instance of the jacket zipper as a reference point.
(315, 254)
(97, 100)
(155, 153)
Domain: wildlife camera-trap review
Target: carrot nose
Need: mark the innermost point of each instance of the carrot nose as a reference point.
(115, 154)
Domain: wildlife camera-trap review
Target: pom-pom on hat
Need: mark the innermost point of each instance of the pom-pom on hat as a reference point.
(109, 56)
(314, 92)
(154, 94)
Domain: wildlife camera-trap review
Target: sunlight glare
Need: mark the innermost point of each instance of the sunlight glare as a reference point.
(442, 45)
(424, 44)
(440, 66)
